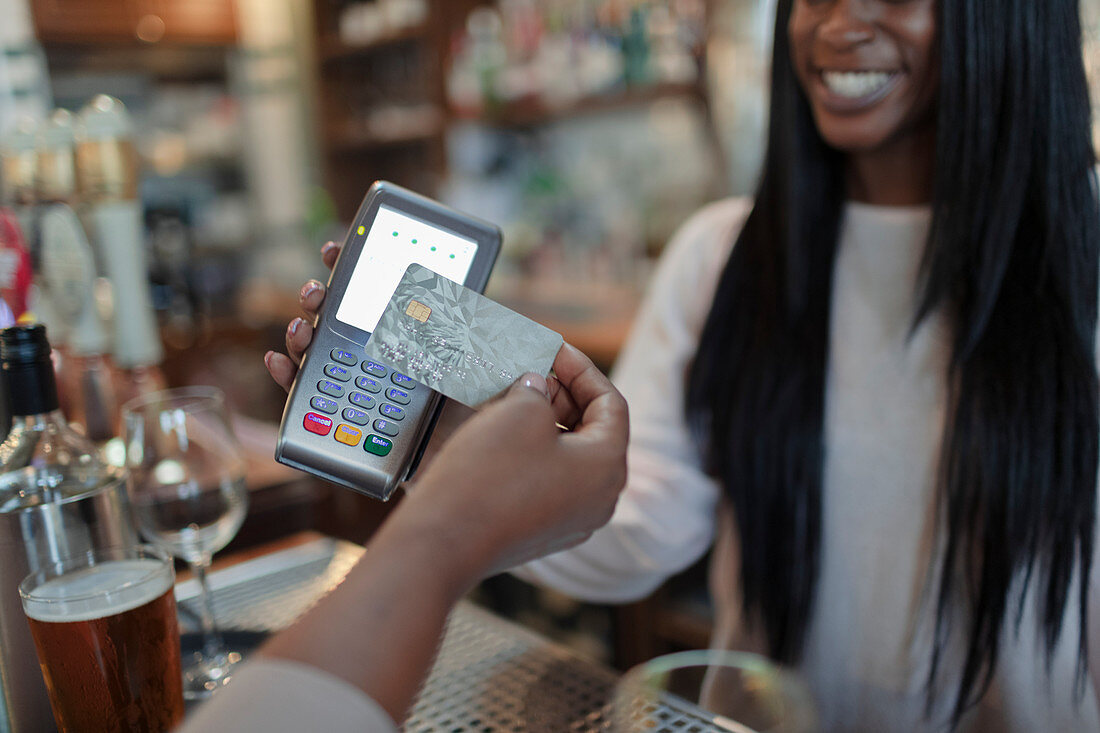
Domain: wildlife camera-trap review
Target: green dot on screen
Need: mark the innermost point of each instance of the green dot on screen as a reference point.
(452, 257)
(433, 249)
(395, 234)
(414, 241)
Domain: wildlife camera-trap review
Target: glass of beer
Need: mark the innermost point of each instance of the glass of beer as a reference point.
(104, 624)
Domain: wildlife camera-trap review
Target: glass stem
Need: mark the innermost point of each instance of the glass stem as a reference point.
(212, 644)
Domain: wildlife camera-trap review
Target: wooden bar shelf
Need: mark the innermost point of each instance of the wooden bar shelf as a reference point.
(535, 113)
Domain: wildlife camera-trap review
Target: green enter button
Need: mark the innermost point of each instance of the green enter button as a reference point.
(377, 445)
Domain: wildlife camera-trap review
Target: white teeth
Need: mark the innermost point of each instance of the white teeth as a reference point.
(855, 84)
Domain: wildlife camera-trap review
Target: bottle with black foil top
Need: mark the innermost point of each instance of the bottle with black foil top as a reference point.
(43, 459)
(58, 499)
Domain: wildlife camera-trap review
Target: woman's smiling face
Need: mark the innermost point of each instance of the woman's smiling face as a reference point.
(868, 68)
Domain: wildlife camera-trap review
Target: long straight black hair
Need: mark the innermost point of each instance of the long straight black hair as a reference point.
(1012, 259)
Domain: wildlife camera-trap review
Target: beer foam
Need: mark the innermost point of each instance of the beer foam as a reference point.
(98, 591)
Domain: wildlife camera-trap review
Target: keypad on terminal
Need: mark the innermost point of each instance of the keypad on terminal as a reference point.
(360, 403)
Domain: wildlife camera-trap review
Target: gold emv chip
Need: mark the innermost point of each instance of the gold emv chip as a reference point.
(418, 310)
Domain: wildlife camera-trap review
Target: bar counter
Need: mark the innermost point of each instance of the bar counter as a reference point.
(490, 675)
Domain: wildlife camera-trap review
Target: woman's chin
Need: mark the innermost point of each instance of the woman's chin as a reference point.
(854, 139)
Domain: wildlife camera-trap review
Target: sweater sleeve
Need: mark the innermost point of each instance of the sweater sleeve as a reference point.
(280, 696)
(665, 518)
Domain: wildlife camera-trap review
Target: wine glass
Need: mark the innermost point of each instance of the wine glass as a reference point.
(714, 691)
(187, 489)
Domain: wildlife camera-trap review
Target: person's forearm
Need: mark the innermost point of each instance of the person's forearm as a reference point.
(380, 628)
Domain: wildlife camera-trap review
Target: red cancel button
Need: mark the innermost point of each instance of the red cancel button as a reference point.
(315, 423)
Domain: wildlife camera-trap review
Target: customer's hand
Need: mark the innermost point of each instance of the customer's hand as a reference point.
(509, 486)
(512, 486)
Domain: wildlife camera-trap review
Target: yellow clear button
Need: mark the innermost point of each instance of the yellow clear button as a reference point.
(349, 435)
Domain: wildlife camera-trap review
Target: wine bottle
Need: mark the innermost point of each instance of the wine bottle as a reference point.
(58, 500)
(43, 459)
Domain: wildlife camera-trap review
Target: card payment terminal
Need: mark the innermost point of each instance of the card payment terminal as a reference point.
(355, 421)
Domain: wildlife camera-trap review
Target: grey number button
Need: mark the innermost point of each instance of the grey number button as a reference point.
(403, 381)
(356, 416)
(344, 357)
(338, 373)
(386, 427)
(393, 412)
(399, 396)
(320, 404)
(363, 401)
(375, 369)
(332, 389)
(368, 385)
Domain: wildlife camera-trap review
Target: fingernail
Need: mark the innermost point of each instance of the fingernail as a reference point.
(267, 358)
(329, 246)
(537, 383)
(309, 288)
(294, 325)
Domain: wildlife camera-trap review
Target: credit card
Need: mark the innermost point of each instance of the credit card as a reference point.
(458, 342)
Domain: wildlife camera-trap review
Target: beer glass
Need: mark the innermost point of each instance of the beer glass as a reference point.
(187, 489)
(104, 625)
(713, 691)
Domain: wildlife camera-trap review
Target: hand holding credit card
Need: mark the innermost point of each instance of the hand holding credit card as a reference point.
(457, 342)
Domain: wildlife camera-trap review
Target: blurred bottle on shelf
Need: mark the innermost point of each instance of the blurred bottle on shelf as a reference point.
(367, 21)
(559, 53)
(17, 218)
(635, 46)
(107, 185)
(15, 269)
(19, 151)
(17, 199)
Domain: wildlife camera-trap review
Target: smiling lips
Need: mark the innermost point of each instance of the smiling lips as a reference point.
(855, 84)
(851, 90)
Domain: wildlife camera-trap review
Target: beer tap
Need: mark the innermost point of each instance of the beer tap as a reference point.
(67, 279)
(107, 183)
(17, 221)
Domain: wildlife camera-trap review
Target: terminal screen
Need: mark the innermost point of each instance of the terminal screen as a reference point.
(395, 241)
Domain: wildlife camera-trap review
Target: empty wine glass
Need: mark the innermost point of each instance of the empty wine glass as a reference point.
(715, 691)
(187, 489)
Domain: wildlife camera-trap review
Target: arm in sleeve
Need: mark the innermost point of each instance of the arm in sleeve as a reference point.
(665, 518)
(281, 696)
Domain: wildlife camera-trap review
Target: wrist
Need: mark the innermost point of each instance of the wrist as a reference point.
(420, 530)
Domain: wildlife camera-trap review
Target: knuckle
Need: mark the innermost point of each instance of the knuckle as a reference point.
(618, 477)
(614, 474)
(602, 515)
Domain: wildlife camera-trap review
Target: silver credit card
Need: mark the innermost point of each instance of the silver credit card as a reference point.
(457, 342)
